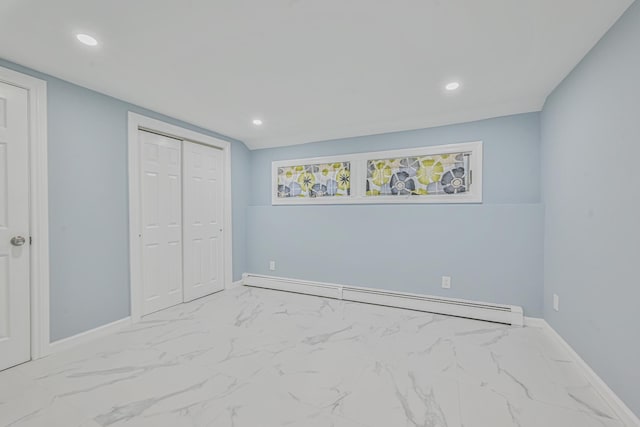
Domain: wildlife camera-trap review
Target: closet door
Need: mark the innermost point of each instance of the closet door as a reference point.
(202, 208)
(161, 221)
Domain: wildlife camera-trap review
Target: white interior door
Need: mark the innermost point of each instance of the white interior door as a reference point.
(15, 325)
(202, 211)
(161, 221)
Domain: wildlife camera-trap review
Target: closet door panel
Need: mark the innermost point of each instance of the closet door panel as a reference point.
(202, 212)
(161, 208)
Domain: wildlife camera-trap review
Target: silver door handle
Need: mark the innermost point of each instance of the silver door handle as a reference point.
(18, 241)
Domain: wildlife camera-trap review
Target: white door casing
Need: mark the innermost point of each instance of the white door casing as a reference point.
(15, 322)
(203, 254)
(161, 221)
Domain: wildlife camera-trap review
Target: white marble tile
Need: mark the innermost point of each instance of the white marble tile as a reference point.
(481, 407)
(513, 364)
(389, 396)
(254, 357)
(25, 403)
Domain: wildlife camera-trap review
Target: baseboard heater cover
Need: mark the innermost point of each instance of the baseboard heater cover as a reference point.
(508, 314)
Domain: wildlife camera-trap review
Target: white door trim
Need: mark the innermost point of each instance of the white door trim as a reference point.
(137, 122)
(39, 207)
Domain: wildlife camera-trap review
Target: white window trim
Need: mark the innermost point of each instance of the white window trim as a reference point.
(39, 207)
(139, 122)
(359, 169)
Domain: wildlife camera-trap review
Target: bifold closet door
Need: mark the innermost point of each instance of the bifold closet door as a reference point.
(161, 221)
(202, 213)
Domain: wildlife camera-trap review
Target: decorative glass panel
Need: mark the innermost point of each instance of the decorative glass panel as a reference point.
(437, 174)
(314, 180)
(434, 174)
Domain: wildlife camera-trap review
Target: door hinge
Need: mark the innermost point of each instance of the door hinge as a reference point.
(30, 240)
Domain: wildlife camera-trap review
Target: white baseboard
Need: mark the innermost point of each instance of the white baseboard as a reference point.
(535, 322)
(619, 407)
(508, 314)
(88, 336)
(235, 284)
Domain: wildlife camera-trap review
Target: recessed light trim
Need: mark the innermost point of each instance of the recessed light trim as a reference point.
(87, 39)
(452, 86)
(257, 122)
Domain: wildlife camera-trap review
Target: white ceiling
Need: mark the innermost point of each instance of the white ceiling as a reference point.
(311, 69)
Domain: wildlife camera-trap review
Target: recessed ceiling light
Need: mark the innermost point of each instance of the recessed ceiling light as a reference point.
(87, 39)
(257, 122)
(452, 86)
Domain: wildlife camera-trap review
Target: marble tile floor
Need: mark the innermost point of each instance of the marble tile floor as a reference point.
(259, 358)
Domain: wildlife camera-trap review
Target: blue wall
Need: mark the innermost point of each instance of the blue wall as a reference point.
(591, 145)
(493, 251)
(89, 205)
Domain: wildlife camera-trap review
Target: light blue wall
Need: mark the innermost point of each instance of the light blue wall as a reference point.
(591, 147)
(88, 204)
(492, 251)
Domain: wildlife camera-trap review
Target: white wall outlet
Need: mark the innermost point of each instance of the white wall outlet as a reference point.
(556, 302)
(446, 282)
(272, 265)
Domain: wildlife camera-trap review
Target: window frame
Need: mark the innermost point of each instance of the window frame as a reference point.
(358, 171)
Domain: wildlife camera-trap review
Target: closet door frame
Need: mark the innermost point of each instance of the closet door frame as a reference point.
(139, 122)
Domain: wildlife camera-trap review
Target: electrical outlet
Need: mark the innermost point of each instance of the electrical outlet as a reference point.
(556, 302)
(272, 265)
(446, 282)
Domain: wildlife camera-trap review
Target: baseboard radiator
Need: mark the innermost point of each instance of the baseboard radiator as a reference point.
(507, 314)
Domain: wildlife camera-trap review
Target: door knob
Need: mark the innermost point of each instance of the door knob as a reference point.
(18, 241)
